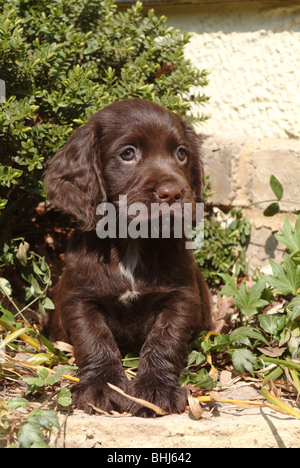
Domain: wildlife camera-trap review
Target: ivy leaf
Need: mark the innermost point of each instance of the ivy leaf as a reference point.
(46, 419)
(195, 357)
(276, 187)
(64, 397)
(30, 434)
(200, 379)
(244, 360)
(17, 402)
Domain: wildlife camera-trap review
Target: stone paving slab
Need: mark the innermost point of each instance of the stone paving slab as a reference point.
(229, 426)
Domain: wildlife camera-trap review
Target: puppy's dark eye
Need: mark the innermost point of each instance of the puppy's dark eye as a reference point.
(128, 154)
(182, 154)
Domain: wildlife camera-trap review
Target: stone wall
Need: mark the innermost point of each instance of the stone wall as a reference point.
(240, 170)
(251, 50)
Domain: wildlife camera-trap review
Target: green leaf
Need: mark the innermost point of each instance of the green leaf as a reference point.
(5, 286)
(243, 360)
(242, 335)
(30, 434)
(39, 358)
(35, 286)
(130, 360)
(272, 209)
(64, 397)
(47, 419)
(48, 304)
(250, 302)
(40, 444)
(195, 357)
(276, 187)
(273, 323)
(285, 279)
(3, 202)
(200, 379)
(230, 288)
(294, 308)
(17, 402)
(53, 378)
(22, 253)
(290, 237)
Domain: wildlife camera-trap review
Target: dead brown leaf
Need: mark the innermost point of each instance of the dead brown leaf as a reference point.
(272, 352)
(195, 407)
(155, 408)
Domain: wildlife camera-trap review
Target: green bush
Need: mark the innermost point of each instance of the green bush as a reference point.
(61, 61)
(266, 329)
(224, 247)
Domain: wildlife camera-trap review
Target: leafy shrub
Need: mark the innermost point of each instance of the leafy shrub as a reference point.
(224, 247)
(225, 241)
(267, 322)
(61, 61)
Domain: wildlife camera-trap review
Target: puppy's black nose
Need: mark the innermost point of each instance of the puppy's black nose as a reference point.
(168, 194)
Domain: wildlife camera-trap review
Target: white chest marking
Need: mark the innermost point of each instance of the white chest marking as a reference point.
(126, 267)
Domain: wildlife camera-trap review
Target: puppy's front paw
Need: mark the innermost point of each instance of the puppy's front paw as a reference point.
(99, 395)
(170, 398)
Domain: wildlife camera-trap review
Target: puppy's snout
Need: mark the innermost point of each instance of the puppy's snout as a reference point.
(168, 194)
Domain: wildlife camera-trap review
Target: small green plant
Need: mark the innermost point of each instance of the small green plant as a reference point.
(31, 427)
(224, 247)
(27, 429)
(266, 329)
(274, 206)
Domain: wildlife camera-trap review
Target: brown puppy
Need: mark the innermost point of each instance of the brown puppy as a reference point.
(122, 294)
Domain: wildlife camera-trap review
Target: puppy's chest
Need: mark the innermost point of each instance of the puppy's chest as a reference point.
(130, 287)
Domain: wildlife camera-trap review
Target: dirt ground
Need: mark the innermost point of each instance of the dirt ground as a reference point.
(222, 426)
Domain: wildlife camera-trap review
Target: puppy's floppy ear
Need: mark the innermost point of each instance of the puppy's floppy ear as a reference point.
(73, 179)
(197, 173)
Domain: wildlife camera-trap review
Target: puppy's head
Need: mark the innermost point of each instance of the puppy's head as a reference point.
(134, 148)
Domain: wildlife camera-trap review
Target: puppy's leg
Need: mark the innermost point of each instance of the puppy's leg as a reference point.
(98, 359)
(162, 358)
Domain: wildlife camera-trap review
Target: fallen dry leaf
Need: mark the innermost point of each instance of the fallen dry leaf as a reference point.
(155, 408)
(272, 352)
(195, 407)
(225, 377)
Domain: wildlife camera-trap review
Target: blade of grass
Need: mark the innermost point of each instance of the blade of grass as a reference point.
(23, 337)
(205, 399)
(31, 366)
(285, 407)
(273, 375)
(295, 378)
(13, 336)
(281, 362)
